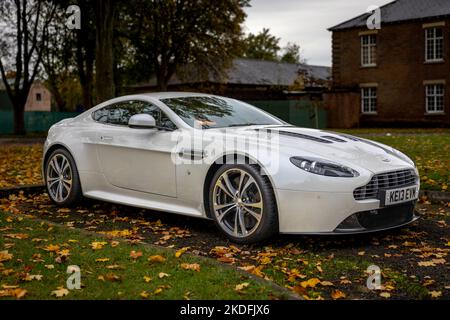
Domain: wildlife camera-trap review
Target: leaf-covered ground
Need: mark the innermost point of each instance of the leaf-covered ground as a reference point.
(35, 255)
(413, 260)
(20, 164)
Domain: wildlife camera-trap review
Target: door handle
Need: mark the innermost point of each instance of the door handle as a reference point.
(106, 138)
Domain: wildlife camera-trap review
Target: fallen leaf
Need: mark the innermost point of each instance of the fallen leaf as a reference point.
(242, 286)
(337, 294)
(5, 256)
(147, 279)
(17, 293)
(435, 294)
(326, 283)
(60, 292)
(102, 260)
(311, 283)
(98, 245)
(145, 294)
(163, 275)
(191, 266)
(135, 254)
(51, 248)
(156, 258)
(385, 295)
(19, 236)
(181, 251)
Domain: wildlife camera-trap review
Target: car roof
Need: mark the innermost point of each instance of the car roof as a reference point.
(168, 95)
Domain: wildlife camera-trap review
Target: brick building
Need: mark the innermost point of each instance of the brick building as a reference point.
(398, 75)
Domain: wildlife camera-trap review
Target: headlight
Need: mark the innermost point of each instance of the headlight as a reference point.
(324, 167)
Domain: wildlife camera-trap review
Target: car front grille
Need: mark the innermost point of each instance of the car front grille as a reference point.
(385, 181)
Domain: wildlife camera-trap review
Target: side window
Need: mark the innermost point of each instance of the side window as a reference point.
(120, 114)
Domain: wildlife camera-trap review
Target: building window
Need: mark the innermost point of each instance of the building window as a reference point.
(369, 50)
(435, 98)
(434, 44)
(38, 97)
(369, 100)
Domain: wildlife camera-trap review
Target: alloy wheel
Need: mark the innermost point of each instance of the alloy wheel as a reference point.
(59, 178)
(237, 203)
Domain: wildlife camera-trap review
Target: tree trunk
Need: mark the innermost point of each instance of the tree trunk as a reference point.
(19, 116)
(104, 77)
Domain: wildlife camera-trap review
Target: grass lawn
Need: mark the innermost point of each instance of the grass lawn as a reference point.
(34, 257)
(429, 149)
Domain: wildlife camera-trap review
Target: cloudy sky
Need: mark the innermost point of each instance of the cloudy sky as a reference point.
(305, 22)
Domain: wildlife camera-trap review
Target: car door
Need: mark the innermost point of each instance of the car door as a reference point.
(137, 159)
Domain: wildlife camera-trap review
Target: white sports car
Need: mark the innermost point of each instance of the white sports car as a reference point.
(218, 158)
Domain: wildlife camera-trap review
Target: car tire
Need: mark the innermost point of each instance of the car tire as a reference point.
(62, 179)
(254, 204)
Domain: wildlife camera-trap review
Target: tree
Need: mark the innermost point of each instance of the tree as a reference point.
(173, 33)
(291, 53)
(104, 54)
(263, 46)
(23, 33)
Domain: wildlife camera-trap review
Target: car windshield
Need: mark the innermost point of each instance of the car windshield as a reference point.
(213, 112)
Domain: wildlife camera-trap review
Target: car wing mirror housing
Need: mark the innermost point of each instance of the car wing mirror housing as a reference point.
(142, 121)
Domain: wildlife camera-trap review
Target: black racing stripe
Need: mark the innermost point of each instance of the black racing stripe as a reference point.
(296, 135)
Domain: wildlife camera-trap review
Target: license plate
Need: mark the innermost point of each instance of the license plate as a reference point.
(395, 196)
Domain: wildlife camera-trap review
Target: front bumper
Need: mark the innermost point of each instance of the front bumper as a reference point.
(337, 213)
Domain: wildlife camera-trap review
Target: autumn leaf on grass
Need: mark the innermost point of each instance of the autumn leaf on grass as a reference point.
(98, 245)
(156, 259)
(326, 283)
(135, 254)
(19, 236)
(111, 277)
(51, 248)
(431, 263)
(337, 294)
(241, 287)
(385, 295)
(435, 294)
(102, 260)
(145, 294)
(181, 251)
(311, 283)
(60, 292)
(191, 266)
(114, 243)
(163, 275)
(31, 277)
(5, 256)
(62, 256)
(17, 293)
(147, 279)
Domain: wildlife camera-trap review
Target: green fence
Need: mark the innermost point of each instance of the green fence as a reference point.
(302, 113)
(35, 121)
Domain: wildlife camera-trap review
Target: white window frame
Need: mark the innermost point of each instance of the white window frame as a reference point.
(369, 50)
(436, 41)
(431, 92)
(370, 95)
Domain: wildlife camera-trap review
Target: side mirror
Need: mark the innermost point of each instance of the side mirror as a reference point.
(142, 121)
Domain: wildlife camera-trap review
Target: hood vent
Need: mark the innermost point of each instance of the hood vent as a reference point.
(336, 139)
(296, 135)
